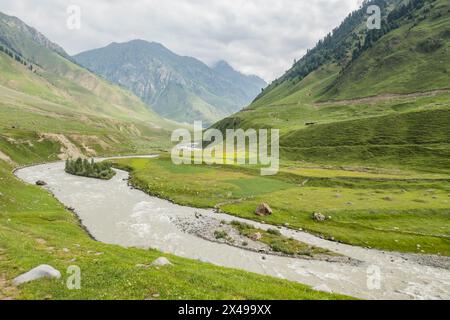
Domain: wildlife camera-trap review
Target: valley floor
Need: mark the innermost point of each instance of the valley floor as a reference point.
(389, 210)
(130, 218)
(36, 229)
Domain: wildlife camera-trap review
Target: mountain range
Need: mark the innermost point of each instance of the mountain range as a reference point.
(47, 100)
(177, 87)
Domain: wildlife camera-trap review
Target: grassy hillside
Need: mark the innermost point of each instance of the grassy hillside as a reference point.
(377, 99)
(46, 97)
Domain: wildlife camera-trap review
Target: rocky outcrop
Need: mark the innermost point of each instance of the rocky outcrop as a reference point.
(317, 216)
(263, 210)
(161, 261)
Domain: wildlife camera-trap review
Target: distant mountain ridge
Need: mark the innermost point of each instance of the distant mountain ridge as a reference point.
(47, 100)
(178, 87)
(12, 31)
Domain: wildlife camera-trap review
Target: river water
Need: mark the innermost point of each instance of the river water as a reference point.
(117, 214)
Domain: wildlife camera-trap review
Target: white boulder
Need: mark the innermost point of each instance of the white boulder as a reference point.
(42, 271)
(161, 262)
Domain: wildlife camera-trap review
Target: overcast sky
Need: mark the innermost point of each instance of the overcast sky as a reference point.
(260, 37)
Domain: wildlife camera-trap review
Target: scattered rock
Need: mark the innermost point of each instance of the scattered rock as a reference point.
(41, 183)
(41, 241)
(263, 210)
(286, 224)
(323, 288)
(161, 261)
(256, 237)
(42, 271)
(66, 250)
(317, 216)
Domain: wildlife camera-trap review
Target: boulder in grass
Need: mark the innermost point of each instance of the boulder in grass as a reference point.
(160, 262)
(317, 216)
(42, 271)
(256, 236)
(263, 210)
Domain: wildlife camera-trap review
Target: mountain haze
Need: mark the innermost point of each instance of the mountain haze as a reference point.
(181, 88)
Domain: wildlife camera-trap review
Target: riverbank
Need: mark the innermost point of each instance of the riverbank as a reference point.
(131, 218)
(35, 228)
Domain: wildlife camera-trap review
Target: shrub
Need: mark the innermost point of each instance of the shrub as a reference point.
(430, 45)
(274, 232)
(220, 234)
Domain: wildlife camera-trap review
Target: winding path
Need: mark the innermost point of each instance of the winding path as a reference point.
(117, 214)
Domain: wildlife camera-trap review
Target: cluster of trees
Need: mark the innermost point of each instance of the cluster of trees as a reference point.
(91, 169)
(343, 44)
(16, 56)
(336, 46)
(391, 22)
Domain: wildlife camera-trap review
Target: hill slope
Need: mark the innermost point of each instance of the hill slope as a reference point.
(180, 88)
(44, 94)
(356, 97)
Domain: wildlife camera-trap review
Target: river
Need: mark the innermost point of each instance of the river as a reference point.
(117, 214)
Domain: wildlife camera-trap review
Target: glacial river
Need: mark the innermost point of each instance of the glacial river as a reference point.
(117, 214)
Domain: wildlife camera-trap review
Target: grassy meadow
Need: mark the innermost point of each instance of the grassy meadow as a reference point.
(36, 229)
(395, 210)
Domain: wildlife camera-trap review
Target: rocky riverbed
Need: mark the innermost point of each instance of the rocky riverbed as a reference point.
(220, 231)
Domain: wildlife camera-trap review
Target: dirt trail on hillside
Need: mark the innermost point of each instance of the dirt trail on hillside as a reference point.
(68, 149)
(381, 98)
(6, 158)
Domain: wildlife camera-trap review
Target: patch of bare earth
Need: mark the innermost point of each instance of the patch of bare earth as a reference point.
(7, 290)
(88, 141)
(68, 148)
(6, 158)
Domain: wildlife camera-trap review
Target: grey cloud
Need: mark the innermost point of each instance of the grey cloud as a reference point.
(262, 37)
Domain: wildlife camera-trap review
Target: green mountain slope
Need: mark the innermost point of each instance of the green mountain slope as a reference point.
(43, 93)
(366, 97)
(180, 88)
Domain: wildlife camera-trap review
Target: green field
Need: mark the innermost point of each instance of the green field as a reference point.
(392, 211)
(35, 229)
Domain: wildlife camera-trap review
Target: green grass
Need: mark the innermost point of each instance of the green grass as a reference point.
(380, 110)
(376, 210)
(36, 229)
(278, 242)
